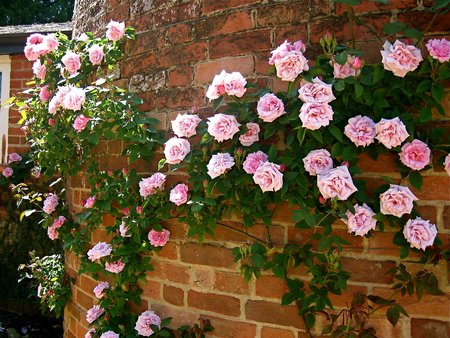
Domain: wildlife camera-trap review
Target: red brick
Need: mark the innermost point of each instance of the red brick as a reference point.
(138, 309)
(181, 98)
(113, 163)
(421, 19)
(173, 295)
(152, 289)
(381, 244)
(22, 74)
(169, 251)
(182, 54)
(371, 6)
(179, 13)
(270, 287)
(138, 65)
(292, 33)
(240, 43)
(368, 271)
(428, 212)
(172, 272)
(346, 298)
(205, 72)
(262, 63)
(84, 300)
(142, 23)
(180, 316)
(428, 328)
(275, 313)
(225, 305)
(447, 217)
(147, 41)
(230, 282)
(149, 101)
(115, 147)
(384, 164)
(270, 332)
(434, 188)
(224, 328)
(181, 76)
(207, 255)
(223, 24)
(214, 5)
(143, 166)
(280, 14)
(384, 328)
(179, 33)
(120, 13)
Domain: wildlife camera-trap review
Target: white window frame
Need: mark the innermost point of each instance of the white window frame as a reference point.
(5, 69)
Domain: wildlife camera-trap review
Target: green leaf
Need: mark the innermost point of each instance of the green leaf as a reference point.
(349, 153)
(425, 114)
(393, 28)
(210, 201)
(337, 149)
(94, 268)
(438, 91)
(327, 329)
(218, 102)
(341, 58)
(258, 260)
(335, 131)
(416, 179)
(325, 243)
(423, 86)
(359, 89)
(287, 298)
(403, 252)
(413, 33)
(393, 315)
(310, 320)
(444, 73)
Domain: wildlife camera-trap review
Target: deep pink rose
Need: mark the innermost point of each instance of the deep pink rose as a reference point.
(44, 94)
(222, 127)
(144, 321)
(52, 233)
(217, 87)
(74, 98)
(51, 42)
(80, 122)
(185, 125)
(101, 249)
(72, 62)
(315, 115)
(50, 203)
(149, 185)
(292, 64)
(219, 163)
(158, 238)
(14, 157)
(124, 229)
(176, 149)
(7, 172)
(282, 50)
(447, 164)
(96, 54)
(391, 132)
(98, 290)
(360, 130)
(318, 162)
(110, 334)
(397, 201)
(317, 91)
(270, 107)
(39, 70)
(90, 333)
(94, 313)
(347, 70)
(254, 161)
(400, 58)
(420, 233)
(116, 30)
(234, 84)
(362, 221)
(51, 122)
(58, 222)
(415, 155)
(439, 49)
(115, 267)
(251, 136)
(90, 202)
(179, 194)
(268, 177)
(336, 182)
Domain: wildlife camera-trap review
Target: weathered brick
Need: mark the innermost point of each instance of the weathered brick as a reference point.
(428, 328)
(173, 295)
(240, 43)
(141, 64)
(214, 5)
(207, 255)
(415, 20)
(142, 23)
(275, 313)
(371, 6)
(280, 14)
(182, 54)
(446, 216)
(179, 33)
(181, 76)
(180, 316)
(270, 332)
(183, 12)
(434, 188)
(180, 97)
(223, 24)
(152, 289)
(225, 305)
(120, 13)
(230, 282)
(205, 72)
(368, 271)
(147, 41)
(172, 272)
(152, 81)
(270, 287)
(292, 33)
(384, 328)
(224, 328)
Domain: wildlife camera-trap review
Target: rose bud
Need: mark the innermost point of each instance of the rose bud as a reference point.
(139, 209)
(126, 211)
(357, 63)
(322, 200)
(346, 163)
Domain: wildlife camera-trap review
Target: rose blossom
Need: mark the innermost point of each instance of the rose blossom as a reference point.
(318, 162)
(347, 70)
(317, 91)
(254, 161)
(179, 194)
(96, 54)
(222, 127)
(115, 267)
(31, 53)
(144, 321)
(98, 290)
(447, 164)
(234, 84)
(282, 50)
(397, 201)
(90, 333)
(391, 132)
(52, 233)
(14, 157)
(439, 49)
(415, 154)
(158, 238)
(116, 30)
(44, 94)
(58, 222)
(51, 42)
(268, 177)
(110, 334)
(292, 64)
(400, 58)
(101, 249)
(336, 182)
(80, 122)
(185, 125)
(72, 62)
(217, 87)
(362, 221)
(51, 122)
(90, 202)
(7, 172)
(35, 171)
(360, 130)
(124, 229)
(50, 203)
(39, 69)
(83, 37)
(176, 149)
(315, 115)
(35, 39)
(219, 163)
(149, 185)
(270, 107)
(94, 313)
(420, 233)
(39, 291)
(251, 136)
(74, 98)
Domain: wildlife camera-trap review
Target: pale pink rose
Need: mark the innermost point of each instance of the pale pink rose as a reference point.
(447, 164)
(439, 49)
(391, 132)
(291, 65)
(397, 201)
(158, 238)
(90, 202)
(347, 70)
(219, 164)
(222, 127)
(268, 177)
(282, 50)
(80, 122)
(150, 185)
(317, 91)
(400, 58)
(176, 149)
(44, 94)
(25, 129)
(315, 115)
(53, 105)
(115, 267)
(362, 221)
(234, 84)
(185, 125)
(72, 62)
(14, 157)
(251, 136)
(420, 233)
(336, 182)
(110, 334)
(90, 333)
(50, 203)
(318, 162)
(124, 229)
(35, 39)
(101, 249)
(144, 321)
(51, 42)
(360, 130)
(52, 233)
(39, 70)
(96, 54)
(415, 155)
(270, 107)
(179, 194)
(98, 290)
(39, 291)
(58, 222)
(30, 53)
(254, 161)
(83, 37)
(217, 87)
(74, 98)
(7, 172)
(36, 172)
(116, 30)
(93, 313)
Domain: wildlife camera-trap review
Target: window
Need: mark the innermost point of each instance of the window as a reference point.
(5, 70)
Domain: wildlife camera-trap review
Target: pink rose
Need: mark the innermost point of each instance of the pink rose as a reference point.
(336, 182)
(90, 202)
(217, 86)
(291, 65)
(72, 62)
(318, 162)
(96, 54)
(39, 70)
(149, 185)
(101, 249)
(235, 84)
(90, 333)
(14, 157)
(98, 290)
(439, 49)
(315, 115)
(420, 233)
(116, 30)
(51, 122)
(144, 321)
(179, 194)
(124, 229)
(58, 222)
(110, 334)
(115, 267)
(185, 125)
(52, 233)
(80, 122)
(44, 94)
(317, 91)
(347, 70)
(176, 149)
(50, 203)
(282, 50)
(254, 161)
(94, 313)
(447, 164)
(391, 132)
(270, 107)
(222, 127)
(362, 221)
(30, 53)
(400, 58)
(36, 172)
(83, 37)
(51, 42)
(219, 164)
(39, 291)
(7, 172)
(360, 130)
(74, 98)
(35, 39)
(251, 136)
(397, 201)
(268, 177)
(158, 238)
(415, 155)
(53, 105)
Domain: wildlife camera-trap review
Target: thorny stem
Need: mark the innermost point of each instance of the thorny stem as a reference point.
(315, 229)
(351, 13)
(241, 232)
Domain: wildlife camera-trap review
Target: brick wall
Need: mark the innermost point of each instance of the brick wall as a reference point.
(180, 46)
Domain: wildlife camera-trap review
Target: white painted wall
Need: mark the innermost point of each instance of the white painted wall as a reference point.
(5, 69)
